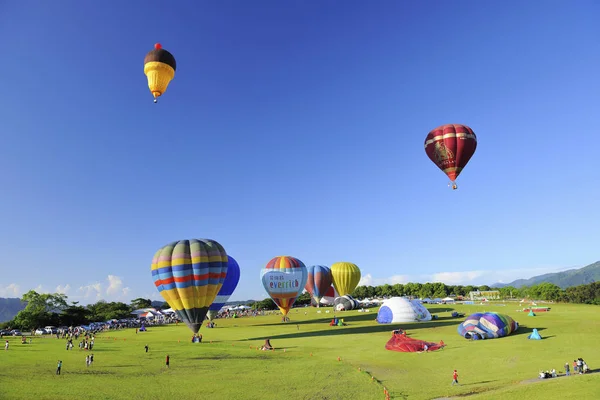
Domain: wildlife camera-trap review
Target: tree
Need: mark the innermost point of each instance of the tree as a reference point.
(139, 303)
(103, 311)
(74, 315)
(304, 298)
(266, 304)
(41, 309)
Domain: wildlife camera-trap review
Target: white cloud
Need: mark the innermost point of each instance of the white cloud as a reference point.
(40, 289)
(91, 292)
(459, 278)
(64, 289)
(477, 277)
(10, 290)
(115, 287)
(368, 280)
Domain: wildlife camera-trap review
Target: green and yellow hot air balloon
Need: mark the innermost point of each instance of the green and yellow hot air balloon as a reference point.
(159, 67)
(345, 277)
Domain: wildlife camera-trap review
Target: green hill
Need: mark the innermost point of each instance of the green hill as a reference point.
(9, 308)
(564, 279)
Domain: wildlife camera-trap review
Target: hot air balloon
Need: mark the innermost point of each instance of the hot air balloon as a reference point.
(159, 67)
(450, 147)
(188, 275)
(345, 277)
(345, 303)
(327, 299)
(488, 325)
(229, 285)
(284, 278)
(400, 309)
(319, 280)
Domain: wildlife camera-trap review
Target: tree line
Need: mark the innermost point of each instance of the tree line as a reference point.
(584, 294)
(45, 309)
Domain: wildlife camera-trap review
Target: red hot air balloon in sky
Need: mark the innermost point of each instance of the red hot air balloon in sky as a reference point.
(450, 147)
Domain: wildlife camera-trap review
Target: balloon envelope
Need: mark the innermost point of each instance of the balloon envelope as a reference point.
(284, 279)
(189, 274)
(229, 285)
(345, 303)
(450, 147)
(489, 325)
(318, 281)
(159, 67)
(345, 277)
(401, 309)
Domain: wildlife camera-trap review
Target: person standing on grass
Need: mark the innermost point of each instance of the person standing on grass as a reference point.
(6, 345)
(167, 362)
(146, 347)
(58, 367)
(567, 369)
(455, 378)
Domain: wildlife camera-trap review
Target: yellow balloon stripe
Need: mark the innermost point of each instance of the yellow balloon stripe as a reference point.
(191, 297)
(186, 260)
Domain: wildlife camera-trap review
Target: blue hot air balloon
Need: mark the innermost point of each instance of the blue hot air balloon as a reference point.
(229, 285)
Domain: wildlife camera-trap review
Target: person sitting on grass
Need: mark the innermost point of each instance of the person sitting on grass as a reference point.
(267, 345)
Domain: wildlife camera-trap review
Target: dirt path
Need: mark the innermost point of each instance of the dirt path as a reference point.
(525, 382)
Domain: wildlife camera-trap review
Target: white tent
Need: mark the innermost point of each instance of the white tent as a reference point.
(448, 300)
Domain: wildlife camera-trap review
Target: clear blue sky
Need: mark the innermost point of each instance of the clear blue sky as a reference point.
(296, 128)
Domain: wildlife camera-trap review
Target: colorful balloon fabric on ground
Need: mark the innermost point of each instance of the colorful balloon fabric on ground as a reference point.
(401, 309)
(284, 279)
(318, 281)
(345, 303)
(345, 277)
(450, 147)
(229, 285)
(159, 67)
(189, 274)
(489, 325)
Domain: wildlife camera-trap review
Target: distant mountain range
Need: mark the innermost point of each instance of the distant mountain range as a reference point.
(9, 308)
(564, 279)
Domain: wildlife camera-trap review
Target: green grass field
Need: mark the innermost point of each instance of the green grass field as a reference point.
(231, 367)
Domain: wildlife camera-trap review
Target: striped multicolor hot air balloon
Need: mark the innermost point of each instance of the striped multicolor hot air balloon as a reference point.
(319, 280)
(488, 325)
(188, 275)
(345, 277)
(284, 278)
(229, 285)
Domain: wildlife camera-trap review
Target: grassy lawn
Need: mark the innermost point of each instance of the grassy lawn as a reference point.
(227, 365)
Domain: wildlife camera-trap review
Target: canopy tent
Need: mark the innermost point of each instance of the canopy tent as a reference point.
(535, 335)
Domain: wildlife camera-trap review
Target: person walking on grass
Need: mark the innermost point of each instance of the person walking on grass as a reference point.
(167, 362)
(58, 367)
(567, 369)
(455, 378)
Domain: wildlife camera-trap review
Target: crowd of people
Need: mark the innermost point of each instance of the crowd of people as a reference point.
(579, 367)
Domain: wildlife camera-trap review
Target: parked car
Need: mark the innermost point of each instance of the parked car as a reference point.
(16, 332)
(51, 330)
(4, 332)
(39, 331)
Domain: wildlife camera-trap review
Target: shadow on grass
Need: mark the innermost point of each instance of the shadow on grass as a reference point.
(349, 330)
(479, 383)
(525, 330)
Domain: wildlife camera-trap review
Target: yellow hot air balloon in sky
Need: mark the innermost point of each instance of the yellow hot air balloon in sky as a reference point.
(345, 277)
(159, 67)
